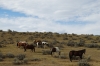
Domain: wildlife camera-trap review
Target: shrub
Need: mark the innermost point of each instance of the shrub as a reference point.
(17, 61)
(1, 55)
(21, 56)
(92, 45)
(83, 62)
(70, 43)
(46, 52)
(10, 55)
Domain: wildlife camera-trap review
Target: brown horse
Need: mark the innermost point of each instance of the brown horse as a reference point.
(38, 43)
(76, 53)
(31, 46)
(21, 43)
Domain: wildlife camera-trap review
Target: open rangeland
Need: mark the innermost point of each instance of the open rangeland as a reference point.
(48, 60)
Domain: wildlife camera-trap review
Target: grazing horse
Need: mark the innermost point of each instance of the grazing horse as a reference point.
(45, 44)
(55, 49)
(21, 43)
(76, 53)
(31, 46)
(38, 43)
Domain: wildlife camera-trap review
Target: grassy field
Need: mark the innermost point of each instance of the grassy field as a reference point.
(9, 38)
(48, 60)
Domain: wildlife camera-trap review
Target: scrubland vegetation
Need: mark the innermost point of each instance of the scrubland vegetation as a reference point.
(12, 55)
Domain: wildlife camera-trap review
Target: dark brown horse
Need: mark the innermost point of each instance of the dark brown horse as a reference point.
(31, 46)
(21, 43)
(76, 53)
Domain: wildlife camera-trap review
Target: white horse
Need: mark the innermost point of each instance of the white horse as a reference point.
(44, 44)
(55, 49)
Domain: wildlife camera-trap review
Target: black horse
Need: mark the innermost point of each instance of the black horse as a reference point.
(31, 46)
(76, 53)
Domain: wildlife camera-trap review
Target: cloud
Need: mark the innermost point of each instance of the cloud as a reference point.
(71, 16)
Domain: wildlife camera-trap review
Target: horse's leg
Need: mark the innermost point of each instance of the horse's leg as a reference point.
(43, 46)
(24, 49)
(59, 52)
(19, 46)
(34, 49)
(37, 44)
(51, 52)
(80, 56)
(70, 57)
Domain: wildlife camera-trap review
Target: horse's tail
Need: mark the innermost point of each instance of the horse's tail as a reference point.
(59, 52)
(70, 56)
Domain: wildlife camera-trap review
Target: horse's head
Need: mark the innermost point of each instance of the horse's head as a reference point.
(34, 41)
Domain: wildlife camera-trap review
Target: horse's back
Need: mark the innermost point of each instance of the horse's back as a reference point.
(30, 46)
(57, 49)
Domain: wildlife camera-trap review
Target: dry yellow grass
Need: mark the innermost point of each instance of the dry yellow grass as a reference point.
(48, 60)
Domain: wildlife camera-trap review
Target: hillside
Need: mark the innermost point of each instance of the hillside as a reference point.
(66, 42)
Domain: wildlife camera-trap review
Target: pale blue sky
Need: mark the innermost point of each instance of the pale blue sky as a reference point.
(62, 16)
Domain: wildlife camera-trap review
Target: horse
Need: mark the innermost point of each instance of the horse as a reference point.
(38, 43)
(29, 46)
(76, 53)
(55, 49)
(21, 43)
(45, 44)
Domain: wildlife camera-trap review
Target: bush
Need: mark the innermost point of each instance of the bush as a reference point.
(1, 55)
(83, 62)
(10, 55)
(92, 45)
(17, 61)
(21, 56)
(46, 52)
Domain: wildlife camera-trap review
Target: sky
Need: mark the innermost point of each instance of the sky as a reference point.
(61, 16)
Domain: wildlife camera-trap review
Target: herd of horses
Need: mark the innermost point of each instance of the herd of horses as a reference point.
(39, 43)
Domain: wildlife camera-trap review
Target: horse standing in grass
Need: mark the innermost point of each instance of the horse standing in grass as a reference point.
(31, 46)
(21, 43)
(44, 44)
(55, 49)
(38, 43)
(76, 53)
